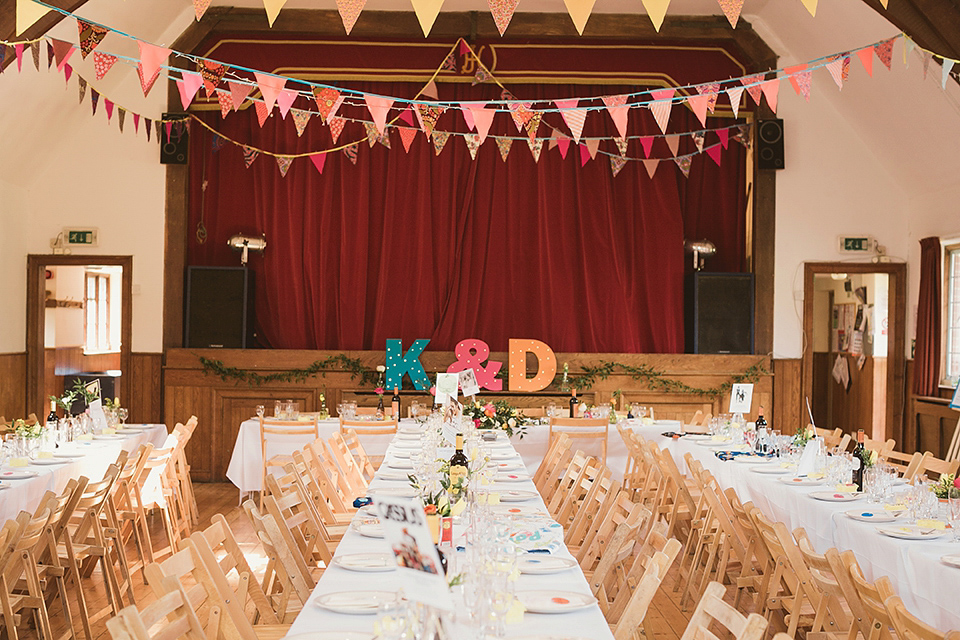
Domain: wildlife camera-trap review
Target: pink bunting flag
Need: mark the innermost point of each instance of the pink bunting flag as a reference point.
(200, 7)
(502, 12)
(90, 36)
(18, 50)
(285, 100)
(336, 127)
(673, 142)
(270, 87)
(651, 166)
(136, 123)
(188, 86)
(698, 104)
(563, 143)
(349, 12)
(536, 146)
(752, 84)
(866, 57)
(318, 160)
(503, 145)
(714, 153)
(731, 9)
(152, 57)
(225, 102)
(724, 135)
(262, 113)
(618, 110)
(300, 120)
(483, 119)
(249, 155)
(61, 52)
(770, 89)
(239, 92)
(212, 75)
(839, 68)
(326, 99)
(799, 78)
(407, 115)
(574, 117)
(145, 83)
(283, 163)
(67, 72)
(735, 94)
(407, 134)
(647, 143)
(468, 115)
(884, 51)
(103, 62)
(617, 163)
(378, 107)
(584, 154)
(711, 90)
(661, 106)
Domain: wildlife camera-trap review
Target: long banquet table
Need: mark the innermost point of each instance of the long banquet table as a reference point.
(927, 586)
(585, 623)
(25, 495)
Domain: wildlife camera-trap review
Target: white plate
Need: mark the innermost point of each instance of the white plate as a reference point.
(407, 444)
(537, 563)
(17, 474)
(752, 460)
(68, 456)
(714, 443)
(517, 496)
(332, 635)
(871, 516)
(400, 464)
(520, 510)
(393, 476)
(115, 436)
(770, 470)
(370, 530)
(555, 601)
(409, 433)
(355, 602)
(803, 482)
(912, 532)
(952, 560)
(512, 477)
(509, 466)
(836, 496)
(48, 461)
(399, 492)
(698, 437)
(131, 430)
(366, 562)
(502, 455)
(402, 453)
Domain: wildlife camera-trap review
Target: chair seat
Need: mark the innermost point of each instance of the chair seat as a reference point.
(271, 631)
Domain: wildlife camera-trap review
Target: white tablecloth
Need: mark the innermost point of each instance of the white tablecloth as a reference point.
(24, 495)
(927, 586)
(586, 623)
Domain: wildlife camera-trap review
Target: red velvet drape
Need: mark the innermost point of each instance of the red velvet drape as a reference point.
(415, 245)
(926, 371)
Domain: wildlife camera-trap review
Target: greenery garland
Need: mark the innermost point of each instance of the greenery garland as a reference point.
(339, 362)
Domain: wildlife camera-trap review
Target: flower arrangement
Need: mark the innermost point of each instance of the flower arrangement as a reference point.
(949, 483)
(803, 436)
(434, 503)
(497, 415)
(379, 389)
(111, 403)
(65, 401)
(21, 428)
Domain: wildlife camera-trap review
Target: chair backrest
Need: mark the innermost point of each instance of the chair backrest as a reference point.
(601, 497)
(349, 467)
(284, 431)
(934, 467)
(355, 447)
(294, 510)
(613, 551)
(592, 476)
(635, 611)
(170, 615)
(576, 470)
(370, 427)
(326, 499)
(824, 589)
(872, 597)
(329, 475)
(880, 446)
(909, 627)
(713, 610)
(372, 411)
(582, 428)
(551, 459)
(906, 464)
(293, 578)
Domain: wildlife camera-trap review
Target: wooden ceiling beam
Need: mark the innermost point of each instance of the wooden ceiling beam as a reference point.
(8, 21)
(932, 24)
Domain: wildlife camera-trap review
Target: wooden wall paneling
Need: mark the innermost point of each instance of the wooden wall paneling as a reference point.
(788, 411)
(934, 422)
(13, 371)
(181, 402)
(146, 388)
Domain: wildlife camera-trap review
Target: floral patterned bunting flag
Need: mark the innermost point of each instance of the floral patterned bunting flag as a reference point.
(683, 162)
(800, 79)
(103, 62)
(326, 98)
(372, 133)
(698, 137)
(617, 163)
(82, 85)
(336, 128)
(283, 163)
(407, 134)
(226, 102)
(743, 135)
(731, 9)
(439, 140)
(351, 152)
(536, 146)
(533, 124)
(262, 113)
(200, 7)
(428, 116)
(621, 145)
(449, 63)
(480, 76)
(752, 84)
(473, 144)
(502, 12)
(884, 51)
(212, 75)
(349, 12)
(90, 36)
(504, 144)
(249, 155)
(300, 120)
(711, 90)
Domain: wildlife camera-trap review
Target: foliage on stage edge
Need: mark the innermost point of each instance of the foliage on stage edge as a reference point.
(339, 362)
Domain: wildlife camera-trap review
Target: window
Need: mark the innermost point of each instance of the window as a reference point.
(97, 313)
(952, 286)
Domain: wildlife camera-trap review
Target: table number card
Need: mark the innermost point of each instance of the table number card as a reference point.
(741, 397)
(96, 405)
(468, 382)
(418, 564)
(447, 384)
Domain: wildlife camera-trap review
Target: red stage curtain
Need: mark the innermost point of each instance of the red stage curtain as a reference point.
(415, 245)
(926, 371)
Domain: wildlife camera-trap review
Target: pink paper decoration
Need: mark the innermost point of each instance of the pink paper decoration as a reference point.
(349, 12)
(270, 87)
(407, 134)
(188, 86)
(502, 12)
(238, 93)
(318, 160)
(574, 117)
(618, 110)
(378, 107)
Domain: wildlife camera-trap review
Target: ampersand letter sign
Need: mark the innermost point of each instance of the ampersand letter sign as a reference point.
(471, 354)
(518, 365)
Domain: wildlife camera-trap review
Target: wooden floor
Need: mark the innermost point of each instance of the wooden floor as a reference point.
(665, 619)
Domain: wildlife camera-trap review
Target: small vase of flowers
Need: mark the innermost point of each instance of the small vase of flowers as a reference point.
(497, 415)
(948, 486)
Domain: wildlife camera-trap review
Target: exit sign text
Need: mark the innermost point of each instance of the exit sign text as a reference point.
(855, 244)
(80, 237)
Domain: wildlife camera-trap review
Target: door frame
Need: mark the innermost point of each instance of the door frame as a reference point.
(36, 298)
(896, 371)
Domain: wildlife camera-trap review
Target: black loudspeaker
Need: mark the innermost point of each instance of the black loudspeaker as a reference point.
(173, 148)
(770, 144)
(719, 312)
(219, 308)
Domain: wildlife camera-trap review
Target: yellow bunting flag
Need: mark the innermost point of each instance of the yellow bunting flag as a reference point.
(657, 10)
(28, 12)
(273, 9)
(579, 11)
(811, 6)
(427, 11)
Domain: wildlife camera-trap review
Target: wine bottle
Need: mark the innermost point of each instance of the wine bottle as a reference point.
(52, 416)
(458, 468)
(573, 403)
(858, 454)
(395, 402)
(761, 421)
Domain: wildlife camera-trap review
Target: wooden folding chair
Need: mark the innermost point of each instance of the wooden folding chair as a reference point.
(834, 615)
(352, 440)
(935, 468)
(349, 468)
(582, 429)
(283, 431)
(630, 625)
(287, 576)
(576, 470)
(169, 618)
(873, 597)
(909, 627)
(645, 553)
(880, 446)
(676, 504)
(334, 485)
(370, 428)
(637, 468)
(907, 465)
(293, 510)
(333, 511)
(613, 556)
(757, 562)
(592, 474)
(126, 508)
(595, 539)
(713, 610)
(600, 498)
(554, 455)
(21, 578)
(372, 411)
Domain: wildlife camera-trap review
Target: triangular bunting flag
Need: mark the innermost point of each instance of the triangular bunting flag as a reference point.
(927, 57)
(226, 102)
(563, 143)
(145, 84)
(698, 138)
(618, 110)
(622, 144)
(711, 90)
(82, 85)
(18, 51)
(839, 66)
(283, 163)
(249, 155)
(866, 57)
(945, 75)
(673, 142)
(698, 104)
(464, 48)
(90, 36)
(217, 143)
(67, 69)
(94, 100)
(300, 120)
(407, 115)
(108, 107)
(349, 12)
(270, 87)
(584, 154)
(502, 12)
(616, 164)
(200, 7)
(483, 119)
(884, 51)
(103, 62)
(136, 124)
(799, 77)
(473, 144)
(318, 160)
(121, 116)
(426, 11)
(651, 166)
(536, 146)
(336, 127)
(731, 9)
(35, 53)
(28, 12)
(579, 11)
(238, 93)
(661, 107)
(647, 143)
(272, 8)
(439, 140)
(188, 86)
(262, 113)
(811, 6)
(428, 115)
(61, 52)
(714, 153)
(520, 113)
(372, 134)
(384, 138)
(736, 94)
(407, 134)
(656, 10)
(49, 55)
(468, 115)
(480, 76)
(212, 75)
(351, 151)
(429, 91)
(724, 135)
(449, 63)
(770, 90)
(285, 100)
(152, 58)
(504, 144)
(743, 135)
(683, 163)
(378, 107)
(326, 98)
(752, 84)
(593, 145)
(574, 118)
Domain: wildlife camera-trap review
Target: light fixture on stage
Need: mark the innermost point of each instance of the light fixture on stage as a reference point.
(700, 249)
(246, 244)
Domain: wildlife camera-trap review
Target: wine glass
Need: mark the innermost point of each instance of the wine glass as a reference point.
(260, 411)
(122, 414)
(953, 512)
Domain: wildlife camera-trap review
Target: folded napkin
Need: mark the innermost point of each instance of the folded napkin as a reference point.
(931, 524)
(730, 455)
(846, 488)
(895, 507)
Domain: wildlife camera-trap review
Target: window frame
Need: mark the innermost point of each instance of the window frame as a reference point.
(101, 284)
(951, 259)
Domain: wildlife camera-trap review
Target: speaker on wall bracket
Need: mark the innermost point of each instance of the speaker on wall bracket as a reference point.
(718, 312)
(770, 144)
(219, 308)
(174, 147)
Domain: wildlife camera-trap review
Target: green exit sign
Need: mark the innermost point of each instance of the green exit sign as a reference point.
(855, 244)
(81, 237)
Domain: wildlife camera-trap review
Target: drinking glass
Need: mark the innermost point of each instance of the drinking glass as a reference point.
(277, 409)
(122, 413)
(260, 411)
(953, 512)
(391, 622)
